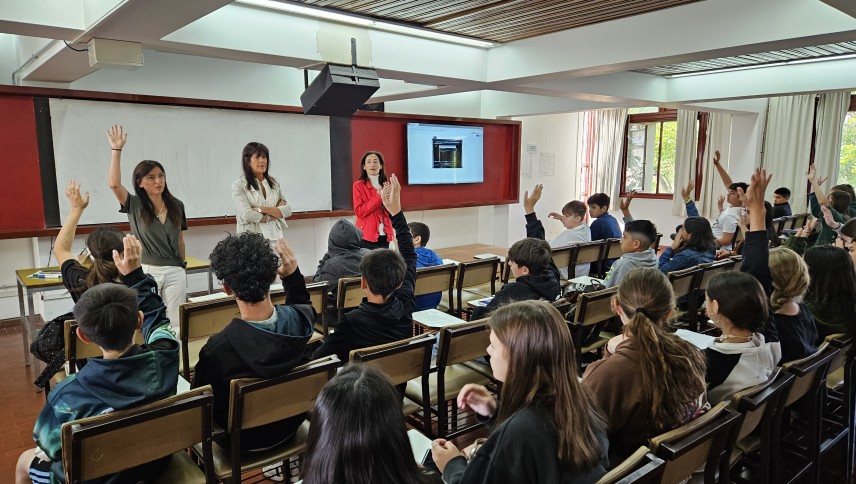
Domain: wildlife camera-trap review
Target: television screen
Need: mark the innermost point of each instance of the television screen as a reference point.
(444, 154)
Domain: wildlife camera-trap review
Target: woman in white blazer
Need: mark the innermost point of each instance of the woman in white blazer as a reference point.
(260, 206)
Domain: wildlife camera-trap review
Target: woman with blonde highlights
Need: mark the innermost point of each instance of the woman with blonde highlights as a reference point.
(653, 380)
(793, 321)
(548, 428)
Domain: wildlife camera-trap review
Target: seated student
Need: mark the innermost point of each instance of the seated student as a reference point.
(577, 231)
(848, 189)
(694, 244)
(830, 293)
(738, 305)
(781, 206)
(342, 259)
(604, 226)
(652, 381)
(128, 375)
(388, 279)
(267, 340)
(425, 257)
(531, 262)
(358, 434)
(636, 245)
(838, 203)
(546, 426)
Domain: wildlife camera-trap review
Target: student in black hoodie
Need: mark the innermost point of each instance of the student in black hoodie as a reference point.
(268, 340)
(531, 263)
(388, 279)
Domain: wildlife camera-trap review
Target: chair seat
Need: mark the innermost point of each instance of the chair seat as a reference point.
(477, 292)
(182, 469)
(410, 407)
(256, 460)
(456, 377)
(480, 367)
(193, 348)
(600, 342)
(835, 380)
(316, 336)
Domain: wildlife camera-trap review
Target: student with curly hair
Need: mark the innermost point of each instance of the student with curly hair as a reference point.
(267, 340)
(652, 380)
(546, 426)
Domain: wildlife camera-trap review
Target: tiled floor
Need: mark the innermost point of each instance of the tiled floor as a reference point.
(19, 402)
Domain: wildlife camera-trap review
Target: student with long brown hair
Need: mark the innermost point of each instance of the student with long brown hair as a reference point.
(548, 427)
(652, 381)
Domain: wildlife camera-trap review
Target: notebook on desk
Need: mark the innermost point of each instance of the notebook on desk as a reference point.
(480, 302)
(489, 256)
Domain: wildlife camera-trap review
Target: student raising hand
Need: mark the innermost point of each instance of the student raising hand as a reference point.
(289, 261)
(753, 199)
(131, 258)
(529, 201)
(391, 195)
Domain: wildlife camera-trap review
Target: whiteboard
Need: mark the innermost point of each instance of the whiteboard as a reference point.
(200, 149)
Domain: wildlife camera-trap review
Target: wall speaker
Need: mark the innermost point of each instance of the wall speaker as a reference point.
(116, 54)
(339, 90)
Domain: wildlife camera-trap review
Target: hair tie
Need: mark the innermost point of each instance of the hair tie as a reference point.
(642, 312)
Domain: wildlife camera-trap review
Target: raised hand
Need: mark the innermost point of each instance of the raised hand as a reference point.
(392, 195)
(716, 157)
(624, 203)
(811, 174)
(529, 201)
(687, 191)
(821, 179)
(72, 192)
(131, 258)
(117, 137)
(557, 216)
(720, 203)
(753, 198)
(289, 261)
(827, 216)
(807, 229)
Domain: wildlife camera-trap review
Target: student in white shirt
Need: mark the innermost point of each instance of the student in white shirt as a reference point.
(725, 225)
(573, 218)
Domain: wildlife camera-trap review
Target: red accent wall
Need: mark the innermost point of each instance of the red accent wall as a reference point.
(388, 135)
(21, 186)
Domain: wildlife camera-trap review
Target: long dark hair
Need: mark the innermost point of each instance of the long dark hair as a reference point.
(741, 299)
(542, 371)
(673, 371)
(358, 434)
(255, 148)
(840, 202)
(381, 177)
(101, 244)
(171, 203)
(832, 285)
(701, 235)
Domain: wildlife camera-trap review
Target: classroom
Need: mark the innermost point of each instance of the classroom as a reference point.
(580, 96)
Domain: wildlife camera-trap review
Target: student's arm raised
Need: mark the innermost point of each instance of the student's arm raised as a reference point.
(292, 279)
(65, 238)
(117, 137)
(726, 178)
(129, 264)
(756, 251)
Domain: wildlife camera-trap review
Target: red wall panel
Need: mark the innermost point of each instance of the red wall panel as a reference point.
(21, 185)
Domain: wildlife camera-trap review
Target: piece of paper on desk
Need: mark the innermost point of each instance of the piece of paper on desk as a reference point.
(208, 297)
(480, 302)
(436, 319)
(450, 261)
(489, 256)
(585, 280)
(701, 341)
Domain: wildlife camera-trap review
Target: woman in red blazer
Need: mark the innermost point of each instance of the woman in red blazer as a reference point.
(372, 217)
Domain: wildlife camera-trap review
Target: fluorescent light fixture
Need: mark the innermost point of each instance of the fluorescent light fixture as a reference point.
(366, 22)
(810, 60)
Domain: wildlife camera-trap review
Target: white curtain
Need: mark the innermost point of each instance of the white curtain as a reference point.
(787, 145)
(686, 147)
(601, 139)
(829, 122)
(718, 138)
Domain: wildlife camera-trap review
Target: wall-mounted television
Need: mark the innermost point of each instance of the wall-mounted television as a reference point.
(440, 154)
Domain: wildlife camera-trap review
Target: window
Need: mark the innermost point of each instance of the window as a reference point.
(650, 163)
(847, 166)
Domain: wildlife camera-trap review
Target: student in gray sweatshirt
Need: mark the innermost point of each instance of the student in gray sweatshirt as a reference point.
(342, 259)
(636, 244)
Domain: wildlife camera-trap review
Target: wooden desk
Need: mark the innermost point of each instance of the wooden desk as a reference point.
(433, 320)
(465, 253)
(29, 286)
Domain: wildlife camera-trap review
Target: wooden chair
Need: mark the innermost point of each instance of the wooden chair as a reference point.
(402, 361)
(593, 308)
(707, 272)
(76, 349)
(754, 441)
(458, 345)
(779, 224)
(799, 450)
(199, 321)
(611, 251)
(840, 409)
(798, 220)
(562, 257)
(437, 279)
(476, 280)
(254, 402)
(349, 295)
(642, 467)
(586, 253)
(685, 281)
(318, 295)
(106, 444)
(699, 443)
(656, 244)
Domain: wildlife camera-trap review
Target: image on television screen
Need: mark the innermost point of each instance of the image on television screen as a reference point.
(448, 153)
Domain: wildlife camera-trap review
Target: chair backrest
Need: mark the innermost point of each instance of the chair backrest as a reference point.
(778, 224)
(711, 269)
(349, 295)
(76, 349)
(810, 372)
(739, 236)
(843, 342)
(435, 279)
(798, 220)
(587, 253)
(613, 249)
(656, 244)
(201, 320)
(562, 256)
(478, 272)
(402, 360)
(317, 296)
(463, 342)
(700, 442)
(760, 401)
(684, 281)
(594, 307)
(642, 467)
(106, 444)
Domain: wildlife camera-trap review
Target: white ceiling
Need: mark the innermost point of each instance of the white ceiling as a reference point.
(601, 65)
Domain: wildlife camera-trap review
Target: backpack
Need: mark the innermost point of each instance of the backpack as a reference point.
(49, 346)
